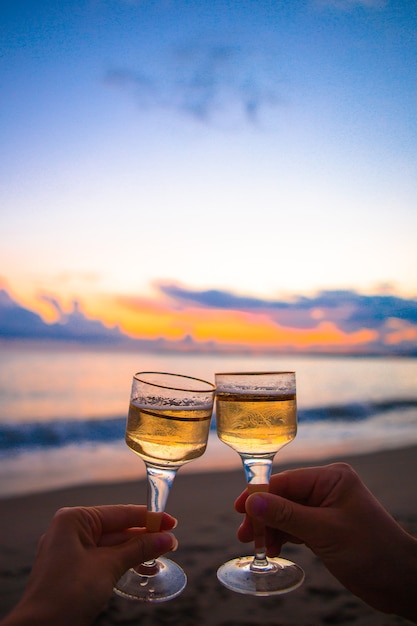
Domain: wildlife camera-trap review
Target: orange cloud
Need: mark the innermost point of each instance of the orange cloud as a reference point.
(152, 319)
(259, 330)
(139, 317)
(401, 331)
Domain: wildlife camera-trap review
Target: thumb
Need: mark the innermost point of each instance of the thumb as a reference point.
(144, 547)
(303, 522)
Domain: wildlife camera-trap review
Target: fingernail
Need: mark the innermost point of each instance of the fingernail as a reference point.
(165, 542)
(256, 506)
(175, 523)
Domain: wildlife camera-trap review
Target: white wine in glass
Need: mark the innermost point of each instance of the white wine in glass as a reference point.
(256, 415)
(167, 426)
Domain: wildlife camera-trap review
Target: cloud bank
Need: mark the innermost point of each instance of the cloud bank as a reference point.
(183, 319)
(17, 322)
(349, 309)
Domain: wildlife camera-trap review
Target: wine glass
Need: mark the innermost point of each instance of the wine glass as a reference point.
(256, 415)
(167, 426)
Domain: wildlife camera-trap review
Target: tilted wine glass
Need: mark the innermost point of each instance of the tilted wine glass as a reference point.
(256, 415)
(167, 426)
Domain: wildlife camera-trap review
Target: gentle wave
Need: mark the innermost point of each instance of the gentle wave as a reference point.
(355, 411)
(22, 437)
(19, 437)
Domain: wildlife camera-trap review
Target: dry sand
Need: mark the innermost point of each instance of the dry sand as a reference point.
(207, 538)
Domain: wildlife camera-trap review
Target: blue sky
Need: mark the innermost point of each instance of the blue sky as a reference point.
(265, 149)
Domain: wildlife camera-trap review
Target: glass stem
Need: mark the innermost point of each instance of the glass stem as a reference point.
(160, 481)
(258, 472)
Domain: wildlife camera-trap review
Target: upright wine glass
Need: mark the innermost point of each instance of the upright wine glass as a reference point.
(168, 425)
(256, 415)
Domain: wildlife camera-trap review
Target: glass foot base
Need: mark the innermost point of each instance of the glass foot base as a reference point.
(167, 583)
(280, 577)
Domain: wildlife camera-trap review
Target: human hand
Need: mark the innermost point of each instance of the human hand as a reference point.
(81, 557)
(331, 511)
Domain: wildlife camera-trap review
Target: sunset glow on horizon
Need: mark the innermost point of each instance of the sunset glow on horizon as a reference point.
(261, 326)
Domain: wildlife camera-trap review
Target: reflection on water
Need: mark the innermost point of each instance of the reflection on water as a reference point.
(44, 384)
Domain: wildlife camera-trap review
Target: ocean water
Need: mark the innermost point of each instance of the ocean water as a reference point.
(63, 412)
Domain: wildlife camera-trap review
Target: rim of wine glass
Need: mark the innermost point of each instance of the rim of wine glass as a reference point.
(253, 373)
(211, 386)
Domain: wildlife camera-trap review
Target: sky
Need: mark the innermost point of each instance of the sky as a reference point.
(158, 153)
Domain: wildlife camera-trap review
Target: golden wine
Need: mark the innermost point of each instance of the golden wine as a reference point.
(168, 436)
(256, 424)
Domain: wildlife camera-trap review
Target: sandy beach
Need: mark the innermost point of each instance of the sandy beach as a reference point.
(206, 539)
